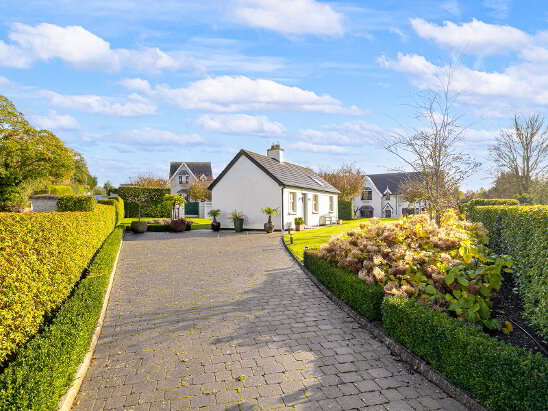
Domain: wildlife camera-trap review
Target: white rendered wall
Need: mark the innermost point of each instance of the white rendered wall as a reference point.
(245, 187)
(313, 218)
(44, 204)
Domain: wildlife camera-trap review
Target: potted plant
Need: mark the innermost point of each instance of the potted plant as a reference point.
(189, 224)
(138, 197)
(176, 201)
(268, 226)
(215, 225)
(238, 218)
(299, 224)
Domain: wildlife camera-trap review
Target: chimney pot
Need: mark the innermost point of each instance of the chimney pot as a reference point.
(276, 152)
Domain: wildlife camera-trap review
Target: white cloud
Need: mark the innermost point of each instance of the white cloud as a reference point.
(5, 82)
(452, 6)
(156, 139)
(290, 17)
(56, 121)
(137, 106)
(318, 148)
(474, 37)
(527, 82)
(240, 93)
(499, 8)
(348, 133)
(136, 84)
(241, 124)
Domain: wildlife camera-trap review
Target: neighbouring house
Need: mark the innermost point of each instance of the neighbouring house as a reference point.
(251, 181)
(182, 174)
(381, 197)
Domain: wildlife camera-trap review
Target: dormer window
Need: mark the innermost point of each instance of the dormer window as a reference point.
(367, 194)
(387, 196)
(203, 177)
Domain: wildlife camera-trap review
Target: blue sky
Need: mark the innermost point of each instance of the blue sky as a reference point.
(134, 84)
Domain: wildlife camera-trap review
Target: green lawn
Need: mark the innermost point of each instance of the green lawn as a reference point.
(199, 223)
(318, 236)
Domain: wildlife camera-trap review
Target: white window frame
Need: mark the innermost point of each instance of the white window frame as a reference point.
(180, 179)
(315, 203)
(331, 204)
(292, 202)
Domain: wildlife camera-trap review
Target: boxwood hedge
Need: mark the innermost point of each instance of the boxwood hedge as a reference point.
(364, 298)
(522, 232)
(42, 370)
(476, 202)
(155, 206)
(345, 210)
(42, 257)
(60, 190)
(499, 375)
(76, 203)
(116, 202)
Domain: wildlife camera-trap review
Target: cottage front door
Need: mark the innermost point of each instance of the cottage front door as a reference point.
(305, 208)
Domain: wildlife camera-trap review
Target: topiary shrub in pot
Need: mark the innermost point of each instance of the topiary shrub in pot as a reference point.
(178, 225)
(268, 226)
(299, 224)
(215, 225)
(238, 218)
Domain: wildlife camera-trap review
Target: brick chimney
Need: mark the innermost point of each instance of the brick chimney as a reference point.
(276, 152)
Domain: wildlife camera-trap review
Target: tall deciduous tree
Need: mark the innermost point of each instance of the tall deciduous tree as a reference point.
(27, 155)
(522, 152)
(199, 191)
(432, 148)
(348, 179)
(149, 180)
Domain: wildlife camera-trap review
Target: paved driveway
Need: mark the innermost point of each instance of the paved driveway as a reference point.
(231, 322)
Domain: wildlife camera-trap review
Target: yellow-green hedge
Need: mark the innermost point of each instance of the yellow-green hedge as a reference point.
(522, 232)
(42, 257)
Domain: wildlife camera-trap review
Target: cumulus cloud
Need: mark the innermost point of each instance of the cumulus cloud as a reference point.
(136, 84)
(157, 139)
(526, 81)
(241, 93)
(290, 17)
(347, 133)
(56, 121)
(241, 124)
(135, 107)
(318, 148)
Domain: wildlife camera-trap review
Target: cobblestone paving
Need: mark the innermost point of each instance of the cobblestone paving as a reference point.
(230, 322)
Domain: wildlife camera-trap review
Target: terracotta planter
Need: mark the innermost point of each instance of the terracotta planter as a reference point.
(178, 226)
(139, 227)
(299, 227)
(268, 227)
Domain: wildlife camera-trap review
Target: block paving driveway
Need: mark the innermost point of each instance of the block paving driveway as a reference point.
(230, 322)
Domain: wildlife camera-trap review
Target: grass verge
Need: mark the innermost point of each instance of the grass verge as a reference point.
(44, 368)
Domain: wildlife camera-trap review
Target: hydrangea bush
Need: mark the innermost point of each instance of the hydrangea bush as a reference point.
(448, 267)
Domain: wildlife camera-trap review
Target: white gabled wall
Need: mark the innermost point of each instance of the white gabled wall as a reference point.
(246, 188)
(313, 218)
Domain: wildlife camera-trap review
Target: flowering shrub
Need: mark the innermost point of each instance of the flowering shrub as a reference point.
(448, 267)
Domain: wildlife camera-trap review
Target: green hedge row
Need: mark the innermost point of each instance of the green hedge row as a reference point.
(522, 232)
(44, 369)
(345, 210)
(61, 190)
(118, 203)
(76, 203)
(366, 299)
(155, 206)
(477, 202)
(499, 375)
(42, 257)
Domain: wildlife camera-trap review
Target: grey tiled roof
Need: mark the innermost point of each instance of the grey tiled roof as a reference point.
(197, 168)
(286, 174)
(392, 180)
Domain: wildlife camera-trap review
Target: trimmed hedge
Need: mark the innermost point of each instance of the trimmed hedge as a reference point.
(156, 207)
(118, 203)
(76, 203)
(499, 375)
(364, 298)
(522, 232)
(345, 210)
(45, 367)
(477, 202)
(61, 190)
(42, 256)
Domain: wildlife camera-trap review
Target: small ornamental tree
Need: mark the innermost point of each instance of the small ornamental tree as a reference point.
(270, 212)
(139, 197)
(176, 201)
(214, 213)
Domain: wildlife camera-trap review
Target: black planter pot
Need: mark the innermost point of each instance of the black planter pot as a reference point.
(216, 226)
(268, 227)
(139, 227)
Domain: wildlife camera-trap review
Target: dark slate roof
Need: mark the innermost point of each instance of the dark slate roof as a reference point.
(285, 174)
(197, 168)
(392, 180)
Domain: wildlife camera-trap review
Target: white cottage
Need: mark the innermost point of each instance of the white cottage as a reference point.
(182, 174)
(251, 181)
(381, 196)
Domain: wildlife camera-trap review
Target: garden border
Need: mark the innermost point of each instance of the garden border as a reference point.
(395, 347)
(67, 400)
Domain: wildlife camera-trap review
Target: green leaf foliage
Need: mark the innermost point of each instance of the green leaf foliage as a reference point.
(118, 203)
(42, 257)
(43, 370)
(477, 202)
(499, 375)
(76, 203)
(61, 190)
(365, 298)
(345, 210)
(522, 233)
(151, 200)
